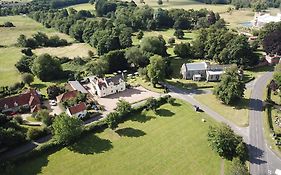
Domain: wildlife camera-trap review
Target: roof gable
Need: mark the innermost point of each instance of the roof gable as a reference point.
(77, 108)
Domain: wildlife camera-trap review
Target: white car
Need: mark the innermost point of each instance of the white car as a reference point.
(53, 103)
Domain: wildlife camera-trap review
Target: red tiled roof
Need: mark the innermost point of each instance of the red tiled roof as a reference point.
(77, 108)
(66, 96)
(30, 98)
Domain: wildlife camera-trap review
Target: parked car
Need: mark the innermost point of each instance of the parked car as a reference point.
(53, 103)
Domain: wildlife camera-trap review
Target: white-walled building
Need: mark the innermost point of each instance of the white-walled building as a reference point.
(107, 86)
(79, 110)
(261, 19)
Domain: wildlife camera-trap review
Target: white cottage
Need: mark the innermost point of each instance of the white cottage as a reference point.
(107, 86)
(79, 110)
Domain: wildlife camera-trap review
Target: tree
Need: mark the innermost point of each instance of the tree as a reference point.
(140, 34)
(179, 34)
(123, 107)
(98, 67)
(21, 40)
(27, 78)
(270, 36)
(151, 104)
(231, 86)
(46, 68)
(53, 91)
(242, 152)
(66, 129)
(116, 60)
(156, 69)
(183, 50)
(223, 140)
(111, 120)
(153, 45)
(44, 116)
(136, 57)
(159, 2)
(24, 64)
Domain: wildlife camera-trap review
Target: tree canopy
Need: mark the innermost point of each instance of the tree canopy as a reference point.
(231, 87)
(156, 69)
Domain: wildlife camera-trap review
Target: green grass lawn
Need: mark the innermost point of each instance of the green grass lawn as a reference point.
(184, 4)
(24, 25)
(146, 84)
(172, 142)
(8, 72)
(237, 113)
(85, 6)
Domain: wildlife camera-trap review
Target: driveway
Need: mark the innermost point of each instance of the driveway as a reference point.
(54, 110)
(132, 95)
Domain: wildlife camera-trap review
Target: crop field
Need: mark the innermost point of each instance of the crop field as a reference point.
(72, 51)
(172, 141)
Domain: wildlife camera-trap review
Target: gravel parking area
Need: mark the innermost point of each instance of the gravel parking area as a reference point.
(132, 95)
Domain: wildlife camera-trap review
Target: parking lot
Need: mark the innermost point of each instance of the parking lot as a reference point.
(132, 95)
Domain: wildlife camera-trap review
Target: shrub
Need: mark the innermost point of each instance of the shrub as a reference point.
(36, 133)
(18, 119)
(171, 100)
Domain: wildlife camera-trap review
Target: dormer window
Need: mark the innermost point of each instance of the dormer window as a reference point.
(16, 104)
(6, 106)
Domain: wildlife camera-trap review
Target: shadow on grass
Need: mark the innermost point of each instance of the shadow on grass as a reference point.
(38, 85)
(164, 113)
(91, 144)
(130, 132)
(142, 118)
(176, 104)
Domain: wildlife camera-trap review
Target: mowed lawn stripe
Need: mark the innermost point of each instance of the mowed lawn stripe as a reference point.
(175, 144)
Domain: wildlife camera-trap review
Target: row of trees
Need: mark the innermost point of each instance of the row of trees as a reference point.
(224, 47)
(36, 5)
(40, 40)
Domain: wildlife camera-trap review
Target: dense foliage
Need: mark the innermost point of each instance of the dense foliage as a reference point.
(224, 47)
(270, 36)
(156, 69)
(66, 129)
(225, 142)
(231, 87)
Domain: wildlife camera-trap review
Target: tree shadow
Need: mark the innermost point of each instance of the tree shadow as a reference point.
(142, 118)
(130, 132)
(256, 155)
(255, 104)
(38, 85)
(91, 144)
(164, 113)
(176, 104)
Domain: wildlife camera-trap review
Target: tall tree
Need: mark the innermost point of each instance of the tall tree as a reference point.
(27, 78)
(231, 87)
(183, 50)
(156, 69)
(153, 45)
(66, 129)
(136, 57)
(46, 68)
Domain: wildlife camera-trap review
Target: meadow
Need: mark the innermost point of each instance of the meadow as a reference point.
(172, 141)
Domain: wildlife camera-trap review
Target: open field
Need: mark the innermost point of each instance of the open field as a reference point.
(135, 81)
(8, 72)
(72, 51)
(172, 142)
(85, 6)
(188, 36)
(184, 4)
(237, 113)
(24, 25)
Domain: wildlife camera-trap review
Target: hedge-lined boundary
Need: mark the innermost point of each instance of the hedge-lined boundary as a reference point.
(51, 146)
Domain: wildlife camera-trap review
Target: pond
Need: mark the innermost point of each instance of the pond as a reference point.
(247, 24)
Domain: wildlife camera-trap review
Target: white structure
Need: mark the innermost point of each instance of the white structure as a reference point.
(262, 19)
(79, 110)
(75, 85)
(107, 86)
(203, 70)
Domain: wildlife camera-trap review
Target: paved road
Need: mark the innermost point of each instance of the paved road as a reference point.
(262, 159)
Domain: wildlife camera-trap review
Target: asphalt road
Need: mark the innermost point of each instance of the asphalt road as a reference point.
(262, 159)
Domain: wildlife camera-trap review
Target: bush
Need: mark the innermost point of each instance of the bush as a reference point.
(171, 100)
(36, 133)
(18, 119)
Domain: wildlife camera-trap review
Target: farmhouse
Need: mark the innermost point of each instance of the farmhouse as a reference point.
(203, 70)
(107, 86)
(78, 110)
(27, 100)
(67, 96)
(261, 19)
